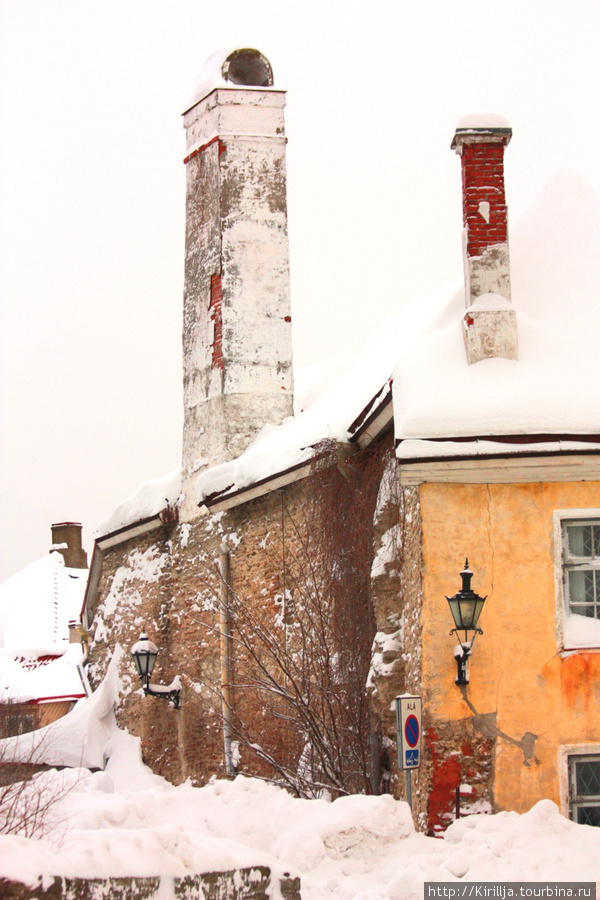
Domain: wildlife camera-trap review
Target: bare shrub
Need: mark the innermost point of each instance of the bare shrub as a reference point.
(28, 788)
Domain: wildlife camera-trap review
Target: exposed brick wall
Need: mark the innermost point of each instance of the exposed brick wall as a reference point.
(456, 756)
(167, 581)
(216, 316)
(483, 180)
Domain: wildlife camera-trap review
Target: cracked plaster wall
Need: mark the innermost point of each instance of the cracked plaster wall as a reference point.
(525, 699)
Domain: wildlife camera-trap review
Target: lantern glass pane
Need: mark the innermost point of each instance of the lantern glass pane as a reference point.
(478, 608)
(467, 612)
(144, 662)
(455, 610)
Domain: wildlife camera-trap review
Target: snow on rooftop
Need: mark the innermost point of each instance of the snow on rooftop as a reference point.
(555, 270)
(37, 604)
(149, 500)
(24, 679)
(479, 121)
(84, 737)
(436, 393)
(355, 378)
(555, 267)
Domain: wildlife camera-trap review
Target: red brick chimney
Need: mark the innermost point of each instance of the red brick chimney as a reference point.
(489, 324)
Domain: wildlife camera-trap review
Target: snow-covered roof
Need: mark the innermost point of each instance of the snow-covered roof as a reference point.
(147, 502)
(37, 662)
(437, 395)
(552, 388)
(25, 679)
(547, 400)
(37, 604)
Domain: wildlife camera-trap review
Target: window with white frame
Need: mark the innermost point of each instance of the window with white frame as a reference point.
(577, 548)
(581, 555)
(584, 789)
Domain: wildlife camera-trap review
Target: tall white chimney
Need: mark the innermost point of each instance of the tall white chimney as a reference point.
(237, 340)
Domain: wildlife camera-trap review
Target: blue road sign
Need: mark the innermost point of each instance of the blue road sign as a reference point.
(411, 758)
(411, 731)
(408, 726)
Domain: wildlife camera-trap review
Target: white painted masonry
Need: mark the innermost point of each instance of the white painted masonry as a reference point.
(237, 342)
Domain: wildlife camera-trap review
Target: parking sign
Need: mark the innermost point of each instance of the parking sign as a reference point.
(408, 727)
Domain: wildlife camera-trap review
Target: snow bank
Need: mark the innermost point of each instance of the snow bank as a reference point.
(125, 820)
(356, 848)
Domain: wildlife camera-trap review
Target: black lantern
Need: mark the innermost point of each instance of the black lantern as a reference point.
(144, 654)
(466, 608)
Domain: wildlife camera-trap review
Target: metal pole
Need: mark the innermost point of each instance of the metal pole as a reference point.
(408, 788)
(225, 658)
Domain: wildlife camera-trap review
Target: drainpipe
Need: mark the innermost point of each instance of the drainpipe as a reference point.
(225, 630)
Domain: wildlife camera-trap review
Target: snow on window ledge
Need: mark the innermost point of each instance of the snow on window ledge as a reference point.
(581, 632)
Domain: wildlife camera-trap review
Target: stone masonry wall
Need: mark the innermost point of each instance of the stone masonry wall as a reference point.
(397, 595)
(134, 593)
(256, 883)
(168, 582)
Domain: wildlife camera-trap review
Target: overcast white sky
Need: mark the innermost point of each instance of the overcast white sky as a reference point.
(92, 199)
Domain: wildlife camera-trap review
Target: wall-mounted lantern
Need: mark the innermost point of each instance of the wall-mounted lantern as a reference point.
(144, 654)
(466, 608)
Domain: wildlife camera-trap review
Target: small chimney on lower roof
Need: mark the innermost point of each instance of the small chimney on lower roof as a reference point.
(66, 539)
(490, 322)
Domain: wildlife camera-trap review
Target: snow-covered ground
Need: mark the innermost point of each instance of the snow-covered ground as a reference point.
(125, 820)
(356, 848)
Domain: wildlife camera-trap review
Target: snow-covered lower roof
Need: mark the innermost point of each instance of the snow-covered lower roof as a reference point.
(81, 738)
(37, 662)
(44, 679)
(37, 604)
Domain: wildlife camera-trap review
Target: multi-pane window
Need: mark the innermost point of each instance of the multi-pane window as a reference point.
(584, 789)
(581, 559)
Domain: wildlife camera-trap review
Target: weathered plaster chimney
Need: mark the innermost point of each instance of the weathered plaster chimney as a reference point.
(237, 340)
(66, 539)
(490, 322)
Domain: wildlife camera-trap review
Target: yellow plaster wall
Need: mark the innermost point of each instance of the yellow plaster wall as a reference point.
(535, 699)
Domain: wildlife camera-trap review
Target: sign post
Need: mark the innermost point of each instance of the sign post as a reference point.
(408, 729)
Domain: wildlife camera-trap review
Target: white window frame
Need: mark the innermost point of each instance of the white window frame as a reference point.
(575, 801)
(561, 516)
(566, 753)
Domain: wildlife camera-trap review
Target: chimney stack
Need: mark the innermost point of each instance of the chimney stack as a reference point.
(490, 322)
(237, 335)
(66, 539)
